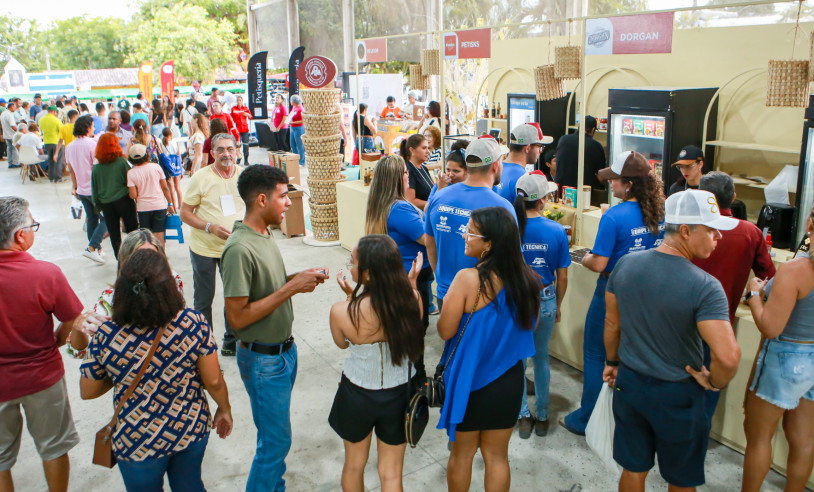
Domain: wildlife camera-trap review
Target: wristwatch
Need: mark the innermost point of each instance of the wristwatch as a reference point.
(612, 363)
(750, 294)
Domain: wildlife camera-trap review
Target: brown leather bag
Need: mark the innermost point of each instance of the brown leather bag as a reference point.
(103, 448)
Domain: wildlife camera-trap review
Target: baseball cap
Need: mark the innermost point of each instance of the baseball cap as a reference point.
(534, 186)
(696, 207)
(628, 164)
(3, 100)
(53, 108)
(528, 134)
(37, 95)
(486, 149)
(689, 155)
(137, 151)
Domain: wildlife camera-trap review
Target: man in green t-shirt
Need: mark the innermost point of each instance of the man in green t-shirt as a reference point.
(257, 295)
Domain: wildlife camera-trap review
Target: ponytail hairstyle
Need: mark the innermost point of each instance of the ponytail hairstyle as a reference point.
(407, 145)
(649, 192)
(520, 208)
(140, 134)
(391, 297)
(166, 135)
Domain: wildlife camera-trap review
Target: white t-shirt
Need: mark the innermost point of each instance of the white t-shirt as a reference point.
(194, 140)
(7, 120)
(30, 140)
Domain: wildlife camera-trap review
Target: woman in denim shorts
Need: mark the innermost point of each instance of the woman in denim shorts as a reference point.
(783, 381)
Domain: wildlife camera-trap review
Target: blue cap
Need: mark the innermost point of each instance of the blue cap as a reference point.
(3, 101)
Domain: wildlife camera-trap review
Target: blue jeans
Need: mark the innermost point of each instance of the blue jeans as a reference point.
(96, 223)
(593, 363)
(542, 371)
(269, 380)
(366, 144)
(295, 137)
(182, 468)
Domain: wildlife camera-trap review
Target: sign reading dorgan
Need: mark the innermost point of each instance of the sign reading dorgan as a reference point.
(633, 34)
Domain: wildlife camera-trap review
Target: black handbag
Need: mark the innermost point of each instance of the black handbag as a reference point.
(417, 414)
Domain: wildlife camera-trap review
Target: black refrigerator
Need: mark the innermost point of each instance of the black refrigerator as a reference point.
(805, 176)
(657, 122)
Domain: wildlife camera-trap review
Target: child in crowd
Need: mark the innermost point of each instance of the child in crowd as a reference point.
(149, 189)
(170, 160)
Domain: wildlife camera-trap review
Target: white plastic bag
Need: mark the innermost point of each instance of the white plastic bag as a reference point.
(76, 208)
(599, 432)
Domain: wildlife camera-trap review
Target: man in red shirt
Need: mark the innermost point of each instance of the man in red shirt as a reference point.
(739, 251)
(241, 116)
(31, 369)
(217, 113)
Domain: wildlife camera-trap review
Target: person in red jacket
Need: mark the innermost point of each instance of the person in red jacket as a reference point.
(218, 114)
(241, 116)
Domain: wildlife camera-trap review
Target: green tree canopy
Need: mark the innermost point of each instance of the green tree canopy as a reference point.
(232, 11)
(24, 41)
(82, 43)
(184, 33)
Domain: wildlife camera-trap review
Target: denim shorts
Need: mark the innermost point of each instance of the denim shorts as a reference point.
(784, 373)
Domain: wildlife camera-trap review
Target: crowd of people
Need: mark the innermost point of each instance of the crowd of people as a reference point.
(671, 273)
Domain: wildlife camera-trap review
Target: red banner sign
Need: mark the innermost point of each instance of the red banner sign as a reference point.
(634, 34)
(168, 80)
(371, 51)
(145, 79)
(475, 43)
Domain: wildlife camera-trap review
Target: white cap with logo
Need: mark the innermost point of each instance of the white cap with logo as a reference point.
(528, 134)
(693, 207)
(486, 149)
(534, 186)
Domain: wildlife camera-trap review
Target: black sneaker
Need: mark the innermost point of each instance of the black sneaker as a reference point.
(228, 350)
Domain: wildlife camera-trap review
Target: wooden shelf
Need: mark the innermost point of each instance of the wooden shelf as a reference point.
(755, 146)
(576, 127)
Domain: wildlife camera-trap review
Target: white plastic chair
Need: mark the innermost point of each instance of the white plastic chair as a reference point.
(30, 157)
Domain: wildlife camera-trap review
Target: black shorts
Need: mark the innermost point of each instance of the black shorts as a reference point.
(664, 419)
(496, 405)
(155, 220)
(357, 411)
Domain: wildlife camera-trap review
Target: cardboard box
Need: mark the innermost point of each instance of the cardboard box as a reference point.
(288, 162)
(569, 196)
(294, 220)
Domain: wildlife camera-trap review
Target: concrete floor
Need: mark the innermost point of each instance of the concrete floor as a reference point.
(557, 462)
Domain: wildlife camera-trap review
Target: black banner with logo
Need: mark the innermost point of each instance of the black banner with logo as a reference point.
(293, 64)
(256, 90)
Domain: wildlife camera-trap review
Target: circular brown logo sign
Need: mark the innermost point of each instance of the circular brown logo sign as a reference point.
(316, 72)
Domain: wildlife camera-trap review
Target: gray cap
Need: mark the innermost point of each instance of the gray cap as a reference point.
(486, 149)
(534, 187)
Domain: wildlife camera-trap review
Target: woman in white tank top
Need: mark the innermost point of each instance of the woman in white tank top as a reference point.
(381, 325)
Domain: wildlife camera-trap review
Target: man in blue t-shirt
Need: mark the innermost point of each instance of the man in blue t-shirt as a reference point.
(526, 143)
(100, 119)
(35, 108)
(449, 209)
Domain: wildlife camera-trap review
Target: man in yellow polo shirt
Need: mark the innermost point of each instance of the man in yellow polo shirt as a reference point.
(211, 206)
(51, 126)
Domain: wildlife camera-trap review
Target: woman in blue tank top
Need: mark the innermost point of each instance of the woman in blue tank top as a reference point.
(487, 320)
(783, 381)
(636, 224)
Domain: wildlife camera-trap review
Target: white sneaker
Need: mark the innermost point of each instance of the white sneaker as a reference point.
(93, 255)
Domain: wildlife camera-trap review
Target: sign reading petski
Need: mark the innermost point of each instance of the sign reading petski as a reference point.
(635, 34)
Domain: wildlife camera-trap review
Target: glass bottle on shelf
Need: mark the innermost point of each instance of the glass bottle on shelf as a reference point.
(498, 110)
(493, 109)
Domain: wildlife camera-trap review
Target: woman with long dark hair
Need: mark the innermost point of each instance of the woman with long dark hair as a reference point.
(636, 224)
(487, 320)
(432, 117)
(158, 119)
(545, 249)
(169, 400)
(380, 324)
(109, 191)
(364, 141)
(415, 150)
(389, 212)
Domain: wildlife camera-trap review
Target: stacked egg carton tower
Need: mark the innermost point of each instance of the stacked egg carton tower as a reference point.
(321, 142)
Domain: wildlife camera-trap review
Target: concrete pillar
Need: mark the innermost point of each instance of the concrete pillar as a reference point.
(348, 36)
(293, 11)
(252, 22)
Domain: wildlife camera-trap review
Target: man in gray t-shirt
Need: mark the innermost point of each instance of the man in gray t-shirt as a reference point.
(659, 309)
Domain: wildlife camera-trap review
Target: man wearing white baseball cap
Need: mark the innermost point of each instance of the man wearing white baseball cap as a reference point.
(449, 208)
(526, 143)
(545, 249)
(653, 343)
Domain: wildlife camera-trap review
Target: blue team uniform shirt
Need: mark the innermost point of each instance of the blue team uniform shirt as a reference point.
(448, 213)
(622, 231)
(508, 181)
(405, 225)
(545, 247)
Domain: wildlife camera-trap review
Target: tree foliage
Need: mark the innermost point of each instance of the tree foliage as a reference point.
(82, 43)
(232, 11)
(184, 33)
(22, 40)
